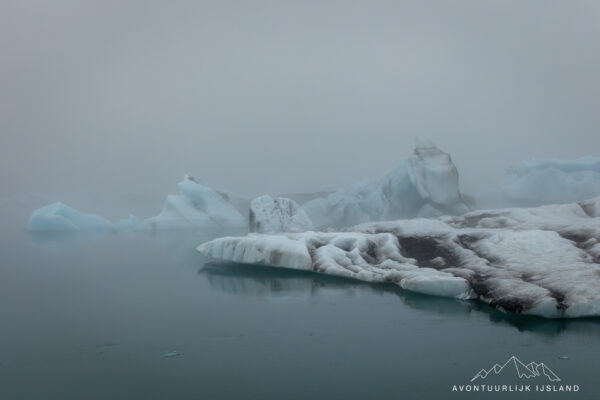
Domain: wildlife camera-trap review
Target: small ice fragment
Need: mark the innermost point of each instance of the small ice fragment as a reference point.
(563, 357)
(172, 353)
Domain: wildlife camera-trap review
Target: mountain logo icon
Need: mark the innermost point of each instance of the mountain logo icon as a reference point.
(530, 370)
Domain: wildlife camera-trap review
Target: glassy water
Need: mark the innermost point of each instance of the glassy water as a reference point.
(142, 316)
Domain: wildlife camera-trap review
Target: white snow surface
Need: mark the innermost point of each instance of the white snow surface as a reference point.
(554, 180)
(197, 206)
(277, 214)
(61, 217)
(424, 184)
(543, 261)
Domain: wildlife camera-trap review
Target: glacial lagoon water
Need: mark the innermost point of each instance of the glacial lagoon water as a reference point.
(142, 316)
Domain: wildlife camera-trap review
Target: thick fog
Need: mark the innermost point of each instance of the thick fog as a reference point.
(123, 97)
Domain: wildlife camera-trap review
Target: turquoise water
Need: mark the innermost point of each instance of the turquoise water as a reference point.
(93, 316)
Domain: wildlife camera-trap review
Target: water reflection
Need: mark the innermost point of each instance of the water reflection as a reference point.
(267, 282)
(544, 326)
(252, 280)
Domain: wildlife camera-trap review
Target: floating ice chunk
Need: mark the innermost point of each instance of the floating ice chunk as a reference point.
(60, 217)
(554, 180)
(197, 206)
(425, 183)
(277, 214)
(542, 261)
(171, 353)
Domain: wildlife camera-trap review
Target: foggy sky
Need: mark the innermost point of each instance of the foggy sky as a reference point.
(260, 97)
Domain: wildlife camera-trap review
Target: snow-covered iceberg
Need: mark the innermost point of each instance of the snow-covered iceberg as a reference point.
(554, 180)
(277, 214)
(60, 217)
(543, 261)
(197, 206)
(423, 184)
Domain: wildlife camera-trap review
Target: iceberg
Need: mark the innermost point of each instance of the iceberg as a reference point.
(61, 217)
(542, 261)
(424, 184)
(554, 180)
(277, 214)
(197, 206)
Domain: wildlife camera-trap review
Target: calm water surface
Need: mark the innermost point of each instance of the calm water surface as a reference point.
(92, 316)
